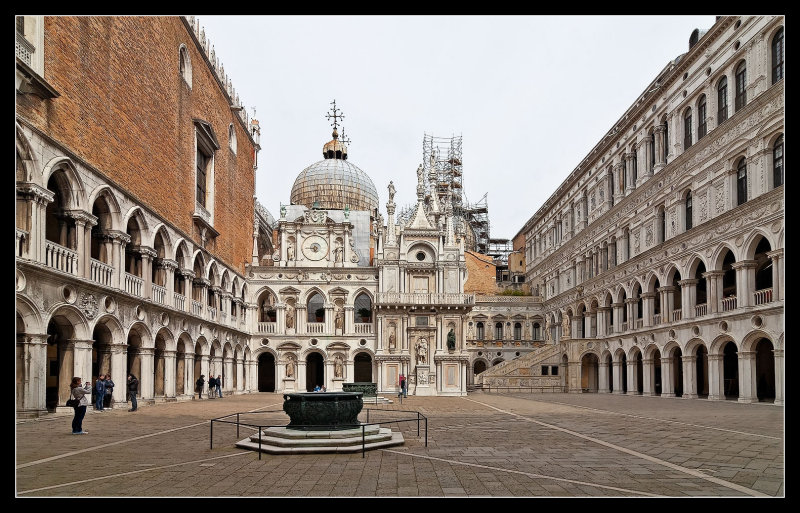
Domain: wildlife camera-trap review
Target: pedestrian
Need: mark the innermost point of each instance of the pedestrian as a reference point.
(198, 385)
(133, 387)
(109, 390)
(79, 393)
(218, 383)
(99, 392)
(212, 383)
(402, 385)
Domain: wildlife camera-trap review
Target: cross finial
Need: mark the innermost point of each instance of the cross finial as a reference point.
(335, 115)
(344, 138)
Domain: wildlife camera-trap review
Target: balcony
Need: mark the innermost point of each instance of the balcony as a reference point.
(212, 313)
(159, 294)
(180, 301)
(656, 319)
(763, 296)
(133, 284)
(315, 327)
(197, 308)
(363, 328)
(267, 327)
(24, 49)
(424, 298)
(729, 303)
(639, 323)
(100, 272)
(676, 315)
(60, 258)
(700, 310)
(22, 236)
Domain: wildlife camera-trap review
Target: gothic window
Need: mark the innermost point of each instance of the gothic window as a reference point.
(777, 56)
(363, 308)
(662, 225)
(741, 182)
(741, 86)
(701, 117)
(480, 332)
(666, 140)
(722, 100)
(536, 331)
(633, 165)
(689, 210)
(777, 162)
(687, 129)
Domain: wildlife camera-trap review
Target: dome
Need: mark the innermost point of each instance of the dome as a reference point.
(334, 183)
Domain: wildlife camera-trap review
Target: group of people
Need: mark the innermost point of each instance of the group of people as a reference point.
(214, 386)
(320, 388)
(103, 388)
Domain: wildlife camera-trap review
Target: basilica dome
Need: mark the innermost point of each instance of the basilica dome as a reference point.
(334, 183)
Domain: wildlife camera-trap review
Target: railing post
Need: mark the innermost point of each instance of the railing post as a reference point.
(363, 441)
(237, 425)
(211, 441)
(260, 430)
(426, 431)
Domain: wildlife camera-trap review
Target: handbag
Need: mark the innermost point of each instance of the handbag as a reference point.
(73, 402)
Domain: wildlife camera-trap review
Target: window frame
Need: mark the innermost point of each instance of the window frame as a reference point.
(741, 181)
(777, 146)
(702, 122)
(687, 129)
(778, 52)
(740, 80)
(688, 205)
(722, 100)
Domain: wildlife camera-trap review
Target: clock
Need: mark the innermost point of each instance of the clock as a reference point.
(315, 248)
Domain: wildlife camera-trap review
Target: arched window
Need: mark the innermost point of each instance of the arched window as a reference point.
(741, 182)
(537, 335)
(666, 140)
(722, 100)
(662, 225)
(634, 168)
(316, 308)
(185, 66)
(777, 56)
(652, 144)
(689, 210)
(517, 331)
(777, 162)
(701, 117)
(480, 332)
(741, 86)
(498, 331)
(363, 307)
(687, 129)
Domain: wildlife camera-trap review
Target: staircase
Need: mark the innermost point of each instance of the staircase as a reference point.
(519, 372)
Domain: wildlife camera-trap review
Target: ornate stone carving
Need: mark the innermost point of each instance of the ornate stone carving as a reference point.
(88, 305)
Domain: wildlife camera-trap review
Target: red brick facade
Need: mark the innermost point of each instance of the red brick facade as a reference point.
(125, 110)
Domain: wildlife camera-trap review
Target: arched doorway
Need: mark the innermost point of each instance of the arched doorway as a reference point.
(478, 367)
(362, 368)
(589, 372)
(315, 371)
(60, 364)
(266, 372)
(180, 369)
(701, 363)
(610, 366)
(657, 372)
(765, 371)
(623, 369)
(677, 372)
(639, 373)
(730, 371)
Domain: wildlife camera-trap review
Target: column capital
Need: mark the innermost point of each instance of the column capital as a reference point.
(145, 251)
(775, 254)
(186, 273)
(201, 282)
(688, 282)
(80, 343)
(81, 216)
(668, 288)
(744, 264)
(648, 295)
(165, 263)
(689, 358)
(617, 305)
(713, 274)
(631, 300)
(660, 129)
(146, 350)
(35, 192)
(32, 338)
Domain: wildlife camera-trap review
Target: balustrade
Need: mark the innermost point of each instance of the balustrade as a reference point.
(100, 272)
(728, 303)
(656, 319)
(180, 301)
(133, 284)
(762, 296)
(212, 313)
(315, 327)
(267, 327)
(676, 315)
(60, 258)
(425, 298)
(363, 328)
(159, 293)
(197, 307)
(700, 310)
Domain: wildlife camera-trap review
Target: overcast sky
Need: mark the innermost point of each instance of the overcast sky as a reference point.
(530, 95)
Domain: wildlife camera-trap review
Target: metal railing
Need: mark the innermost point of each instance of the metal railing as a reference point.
(60, 258)
(762, 296)
(419, 419)
(133, 284)
(100, 272)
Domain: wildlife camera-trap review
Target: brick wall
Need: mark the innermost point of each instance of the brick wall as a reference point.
(482, 272)
(126, 111)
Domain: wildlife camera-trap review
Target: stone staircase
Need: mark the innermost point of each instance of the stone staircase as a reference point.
(280, 440)
(518, 372)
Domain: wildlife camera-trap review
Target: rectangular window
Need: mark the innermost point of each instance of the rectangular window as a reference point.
(554, 370)
(741, 185)
(202, 165)
(741, 91)
(722, 102)
(687, 132)
(545, 370)
(701, 126)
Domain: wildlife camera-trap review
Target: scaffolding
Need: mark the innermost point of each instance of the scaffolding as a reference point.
(476, 218)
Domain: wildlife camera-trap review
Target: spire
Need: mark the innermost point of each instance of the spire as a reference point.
(419, 219)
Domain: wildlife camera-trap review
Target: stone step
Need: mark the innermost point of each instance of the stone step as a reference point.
(274, 445)
(299, 434)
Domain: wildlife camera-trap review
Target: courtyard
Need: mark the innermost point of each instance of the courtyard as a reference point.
(481, 445)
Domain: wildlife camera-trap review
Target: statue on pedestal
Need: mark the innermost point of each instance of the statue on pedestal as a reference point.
(451, 340)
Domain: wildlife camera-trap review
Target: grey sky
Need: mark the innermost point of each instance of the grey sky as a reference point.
(531, 95)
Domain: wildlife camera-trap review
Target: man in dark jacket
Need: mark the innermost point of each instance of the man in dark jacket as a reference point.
(133, 387)
(212, 384)
(99, 392)
(198, 385)
(109, 390)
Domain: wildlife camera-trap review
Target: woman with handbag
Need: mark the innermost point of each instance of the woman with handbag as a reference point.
(79, 401)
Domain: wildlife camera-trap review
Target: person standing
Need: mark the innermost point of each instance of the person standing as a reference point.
(402, 385)
(212, 383)
(133, 387)
(79, 393)
(99, 392)
(109, 390)
(199, 384)
(218, 383)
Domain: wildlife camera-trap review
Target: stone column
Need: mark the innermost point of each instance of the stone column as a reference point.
(82, 359)
(619, 181)
(31, 374)
(714, 288)
(602, 377)
(603, 320)
(227, 376)
(648, 307)
(617, 316)
(617, 375)
(746, 362)
(630, 185)
(118, 263)
(716, 388)
(147, 271)
(630, 304)
(146, 381)
(631, 378)
(188, 373)
(667, 377)
(667, 303)
(688, 297)
(300, 318)
(300, 383)
(587, 324)
(329, 314)
(379, 335)
(777, 275)
(745, 282)
(689, 376)
(779, 393)
(439, 336)
(349, 319)
(646, 171)
(649, 377)
(169, 374)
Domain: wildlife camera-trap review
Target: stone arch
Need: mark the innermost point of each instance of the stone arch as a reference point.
(314, 349)
(635, 359)
(650, 350)
(106, 193)
(479, 363)
(752, 241)
(211, 272)
(70, 181)
(225, 281)
(669, 273)
(692, 264)
(142, 235)
(719, 255)
(719, 342)
(650, 282)
(315, 359)
(182, 260)
(72, 315)
(618, 293)
(143, 331)
(27, 163)
(421, 245)
(166, 249)
(310, 292)
(590, 364)
(29, 315)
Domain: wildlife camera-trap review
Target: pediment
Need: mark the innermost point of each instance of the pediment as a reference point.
(337, 345)
(338, 291)
(289, 346)
(289, 291)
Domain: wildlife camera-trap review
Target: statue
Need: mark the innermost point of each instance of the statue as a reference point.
(392, 340)
(290, 368)
(422, 351)
(337, 252)
(290, 316)
(565, 328)
(290, 251)
(338, 367)
(470, 332)
(451, 340)
(419, 174)
(391, 191)
(339, 318)
(547, 331)
(283, 211)
(527, 330)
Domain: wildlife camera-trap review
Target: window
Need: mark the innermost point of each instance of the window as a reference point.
(662, 225)
(652, 144)
(498, 331)
(777, 56)
(741, 182)
(554, 370)
(202, 165)
(517, 331)
(687, 129)
(422, 321)
(545, 370)
(185, 65)
(480, 332)
(722, 100)
(689, 210)
(206, 146)
(741, 83)
(536, 331)
(232, 138)
(701, 118)
(777, 162)
(666, 140)
(634, 169)
(21, 25)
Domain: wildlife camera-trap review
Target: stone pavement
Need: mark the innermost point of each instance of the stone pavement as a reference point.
(499, 445)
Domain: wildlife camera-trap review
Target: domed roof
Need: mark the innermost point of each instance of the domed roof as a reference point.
(334, 183)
